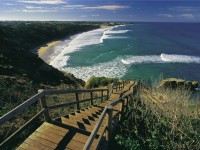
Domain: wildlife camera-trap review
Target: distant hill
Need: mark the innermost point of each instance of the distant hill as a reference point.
(17, 39)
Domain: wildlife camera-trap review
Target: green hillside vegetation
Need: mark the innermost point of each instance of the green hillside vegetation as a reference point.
(20, 68)
(160, 118)
(22, 73)
(17, 39)
(94, 82)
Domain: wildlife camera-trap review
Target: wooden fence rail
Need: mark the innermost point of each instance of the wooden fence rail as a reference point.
(41, 96)
(109, 111)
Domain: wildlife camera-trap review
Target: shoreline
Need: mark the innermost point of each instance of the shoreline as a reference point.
(47, 52)
(43, 50)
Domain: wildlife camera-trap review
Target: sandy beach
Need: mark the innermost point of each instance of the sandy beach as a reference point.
(42, 50)
(48, 53)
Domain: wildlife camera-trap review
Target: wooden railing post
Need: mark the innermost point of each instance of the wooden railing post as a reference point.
(101, 96)
(107, 95)
(109, 122)
(91, 96)
(127, 104)
(122, 109)
(44, 105)
(77, 100)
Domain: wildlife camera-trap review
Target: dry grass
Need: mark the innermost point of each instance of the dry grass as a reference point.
(161, 119)
(181, 111)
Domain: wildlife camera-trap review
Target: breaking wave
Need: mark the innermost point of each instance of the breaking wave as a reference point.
(112, 69)
(62, 51)
(108, 34)
(163, 58)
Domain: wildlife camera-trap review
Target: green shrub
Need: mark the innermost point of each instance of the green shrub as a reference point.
(94, 82)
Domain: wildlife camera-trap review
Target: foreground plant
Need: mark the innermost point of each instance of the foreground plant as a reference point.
(161, 119)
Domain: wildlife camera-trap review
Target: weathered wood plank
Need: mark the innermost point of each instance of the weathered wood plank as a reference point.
(37, 144)
(50, 133)
(43, 141)
(47, 137)
(75, 145)
(56, 127)
(20, 148)
(80, 125)
(28, 147)
(68, 91)
(52, 130)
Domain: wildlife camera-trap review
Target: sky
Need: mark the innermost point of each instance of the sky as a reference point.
(101, 10)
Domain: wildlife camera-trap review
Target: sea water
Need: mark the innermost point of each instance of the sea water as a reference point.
(139, 50)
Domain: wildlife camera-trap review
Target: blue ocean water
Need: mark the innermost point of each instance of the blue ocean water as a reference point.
(140, 50)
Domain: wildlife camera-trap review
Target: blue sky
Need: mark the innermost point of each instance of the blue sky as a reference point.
(101, 10)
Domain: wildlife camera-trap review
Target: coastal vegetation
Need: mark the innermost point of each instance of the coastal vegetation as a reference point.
(160, 118)
(164, 115)
(22, 72)
(94, 82)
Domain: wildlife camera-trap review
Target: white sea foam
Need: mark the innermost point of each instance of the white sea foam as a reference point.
(116, 31)
(163, 58)
(61, 52)
(118, 67)
(108, 34)
(81, 40)
(112, 69)
(180, 58)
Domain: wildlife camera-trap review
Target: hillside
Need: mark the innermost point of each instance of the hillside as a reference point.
(17, 39)
(22, 73)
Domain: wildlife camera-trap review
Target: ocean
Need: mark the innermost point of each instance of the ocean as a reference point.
(139, 50)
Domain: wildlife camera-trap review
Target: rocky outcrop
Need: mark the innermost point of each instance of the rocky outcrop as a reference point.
(178, 83)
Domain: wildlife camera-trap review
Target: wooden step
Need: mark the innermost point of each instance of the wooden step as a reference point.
(80, 124)
(74, 129)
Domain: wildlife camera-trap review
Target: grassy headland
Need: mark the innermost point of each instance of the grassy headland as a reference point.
(160, 118)
(19, 67)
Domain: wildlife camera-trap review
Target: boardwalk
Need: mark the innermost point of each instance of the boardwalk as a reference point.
(72, 131)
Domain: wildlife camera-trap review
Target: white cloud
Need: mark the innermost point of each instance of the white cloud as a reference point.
(166, 15)
(95, 15)
(33, 7)
(38, 10)
(9, 4)
(188, 16)
(107, 7)
(104, 7)
(184, 8)
(51, 2)
(73, 6)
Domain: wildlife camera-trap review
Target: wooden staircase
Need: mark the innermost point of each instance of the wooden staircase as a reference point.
(72, 131)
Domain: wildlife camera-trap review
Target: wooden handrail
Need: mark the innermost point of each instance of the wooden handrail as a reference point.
(20, 108)
(73, 103)
(44, 111)
(53, 92)
(41, 96)
(107, 110)
(20, 130)
(95, 130)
